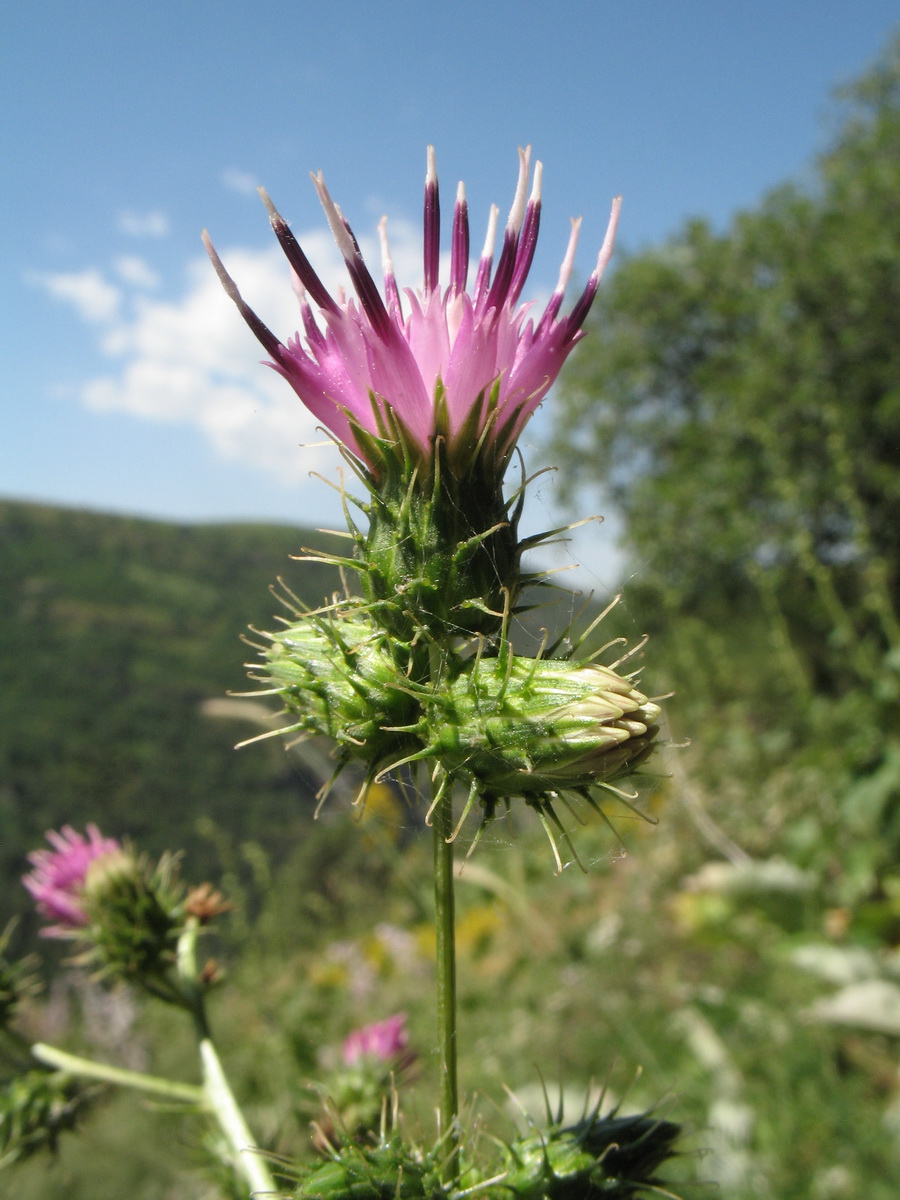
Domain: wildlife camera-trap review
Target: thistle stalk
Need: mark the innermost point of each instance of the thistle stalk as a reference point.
(217, 1093)
(445, 941)
(221, 1101)
(86, 1068)
(445, 964)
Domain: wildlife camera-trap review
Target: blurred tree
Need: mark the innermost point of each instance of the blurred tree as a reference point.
(739, 401)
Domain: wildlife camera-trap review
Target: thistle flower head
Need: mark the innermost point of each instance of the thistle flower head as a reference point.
(57, 881)
(384, 1040)
(466, 366)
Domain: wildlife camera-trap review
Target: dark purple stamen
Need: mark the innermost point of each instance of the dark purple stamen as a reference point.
(261, 331)
(370, 298)
(503, 274)
(582, 307)
(459, 252)
(295, 256)
(432, 237)
(526, 249)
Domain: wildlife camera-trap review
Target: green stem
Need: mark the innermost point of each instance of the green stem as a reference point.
(219, 1097)
(221, 1101)
(74, 1064)
(445, 961)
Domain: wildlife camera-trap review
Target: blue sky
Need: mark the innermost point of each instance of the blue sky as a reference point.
(130, 385)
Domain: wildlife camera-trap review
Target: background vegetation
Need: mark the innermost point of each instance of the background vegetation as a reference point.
(739, 400)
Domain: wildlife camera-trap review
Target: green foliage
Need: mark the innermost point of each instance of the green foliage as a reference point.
(740, 402)
(740, 392)
(119, 642)
(36, 1108)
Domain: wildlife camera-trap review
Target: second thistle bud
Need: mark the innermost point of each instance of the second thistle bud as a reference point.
(536, 728)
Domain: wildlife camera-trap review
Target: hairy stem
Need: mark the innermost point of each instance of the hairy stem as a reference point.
(221, 1101)
(217, 1093)
(446, 979)
(85, 1068)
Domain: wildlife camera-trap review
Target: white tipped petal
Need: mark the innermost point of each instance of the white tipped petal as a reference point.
(431, 170)
(387, 263)
(333, 217)
(517, 212)
(537, 182)
(568, 262)
(609, 240)
(491, 236)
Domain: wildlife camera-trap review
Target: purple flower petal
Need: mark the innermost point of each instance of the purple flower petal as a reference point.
(468, 344)
(58, 876)
(383, 1040)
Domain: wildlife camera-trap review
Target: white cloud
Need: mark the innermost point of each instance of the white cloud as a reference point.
(192, 361)
(241, 182)
(149, 224)
(94, 298)
(136, 271)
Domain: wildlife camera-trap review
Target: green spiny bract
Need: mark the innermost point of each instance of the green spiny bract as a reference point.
(441, 552)
(17, 979)
(611, 1157)
(387, 1171)
(339, 675)
(135, 914)
(514, 726)
(35, 1108)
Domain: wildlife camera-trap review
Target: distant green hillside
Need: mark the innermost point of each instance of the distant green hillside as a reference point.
(118, 643)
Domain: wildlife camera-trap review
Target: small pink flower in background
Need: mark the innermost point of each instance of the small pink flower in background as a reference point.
(385, 1040)
(59, 875)
(444, 361)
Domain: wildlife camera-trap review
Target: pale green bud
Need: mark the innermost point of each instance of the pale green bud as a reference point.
(338, 676)
(533, 727)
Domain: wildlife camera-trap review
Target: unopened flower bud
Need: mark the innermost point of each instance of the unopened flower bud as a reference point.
(528, 727)
(338, 677)
(134, 915)
(366, 1172)
(605, 1156)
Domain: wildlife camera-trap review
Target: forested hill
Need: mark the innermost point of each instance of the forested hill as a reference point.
(119, 641)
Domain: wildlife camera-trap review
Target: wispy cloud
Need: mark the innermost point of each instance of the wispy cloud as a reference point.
(148, 224)
(136, 271)
(241, 182)
(92, 296)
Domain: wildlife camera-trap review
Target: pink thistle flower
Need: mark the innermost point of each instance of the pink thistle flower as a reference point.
(470, 367)
(384, 1040)
(59, 875)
